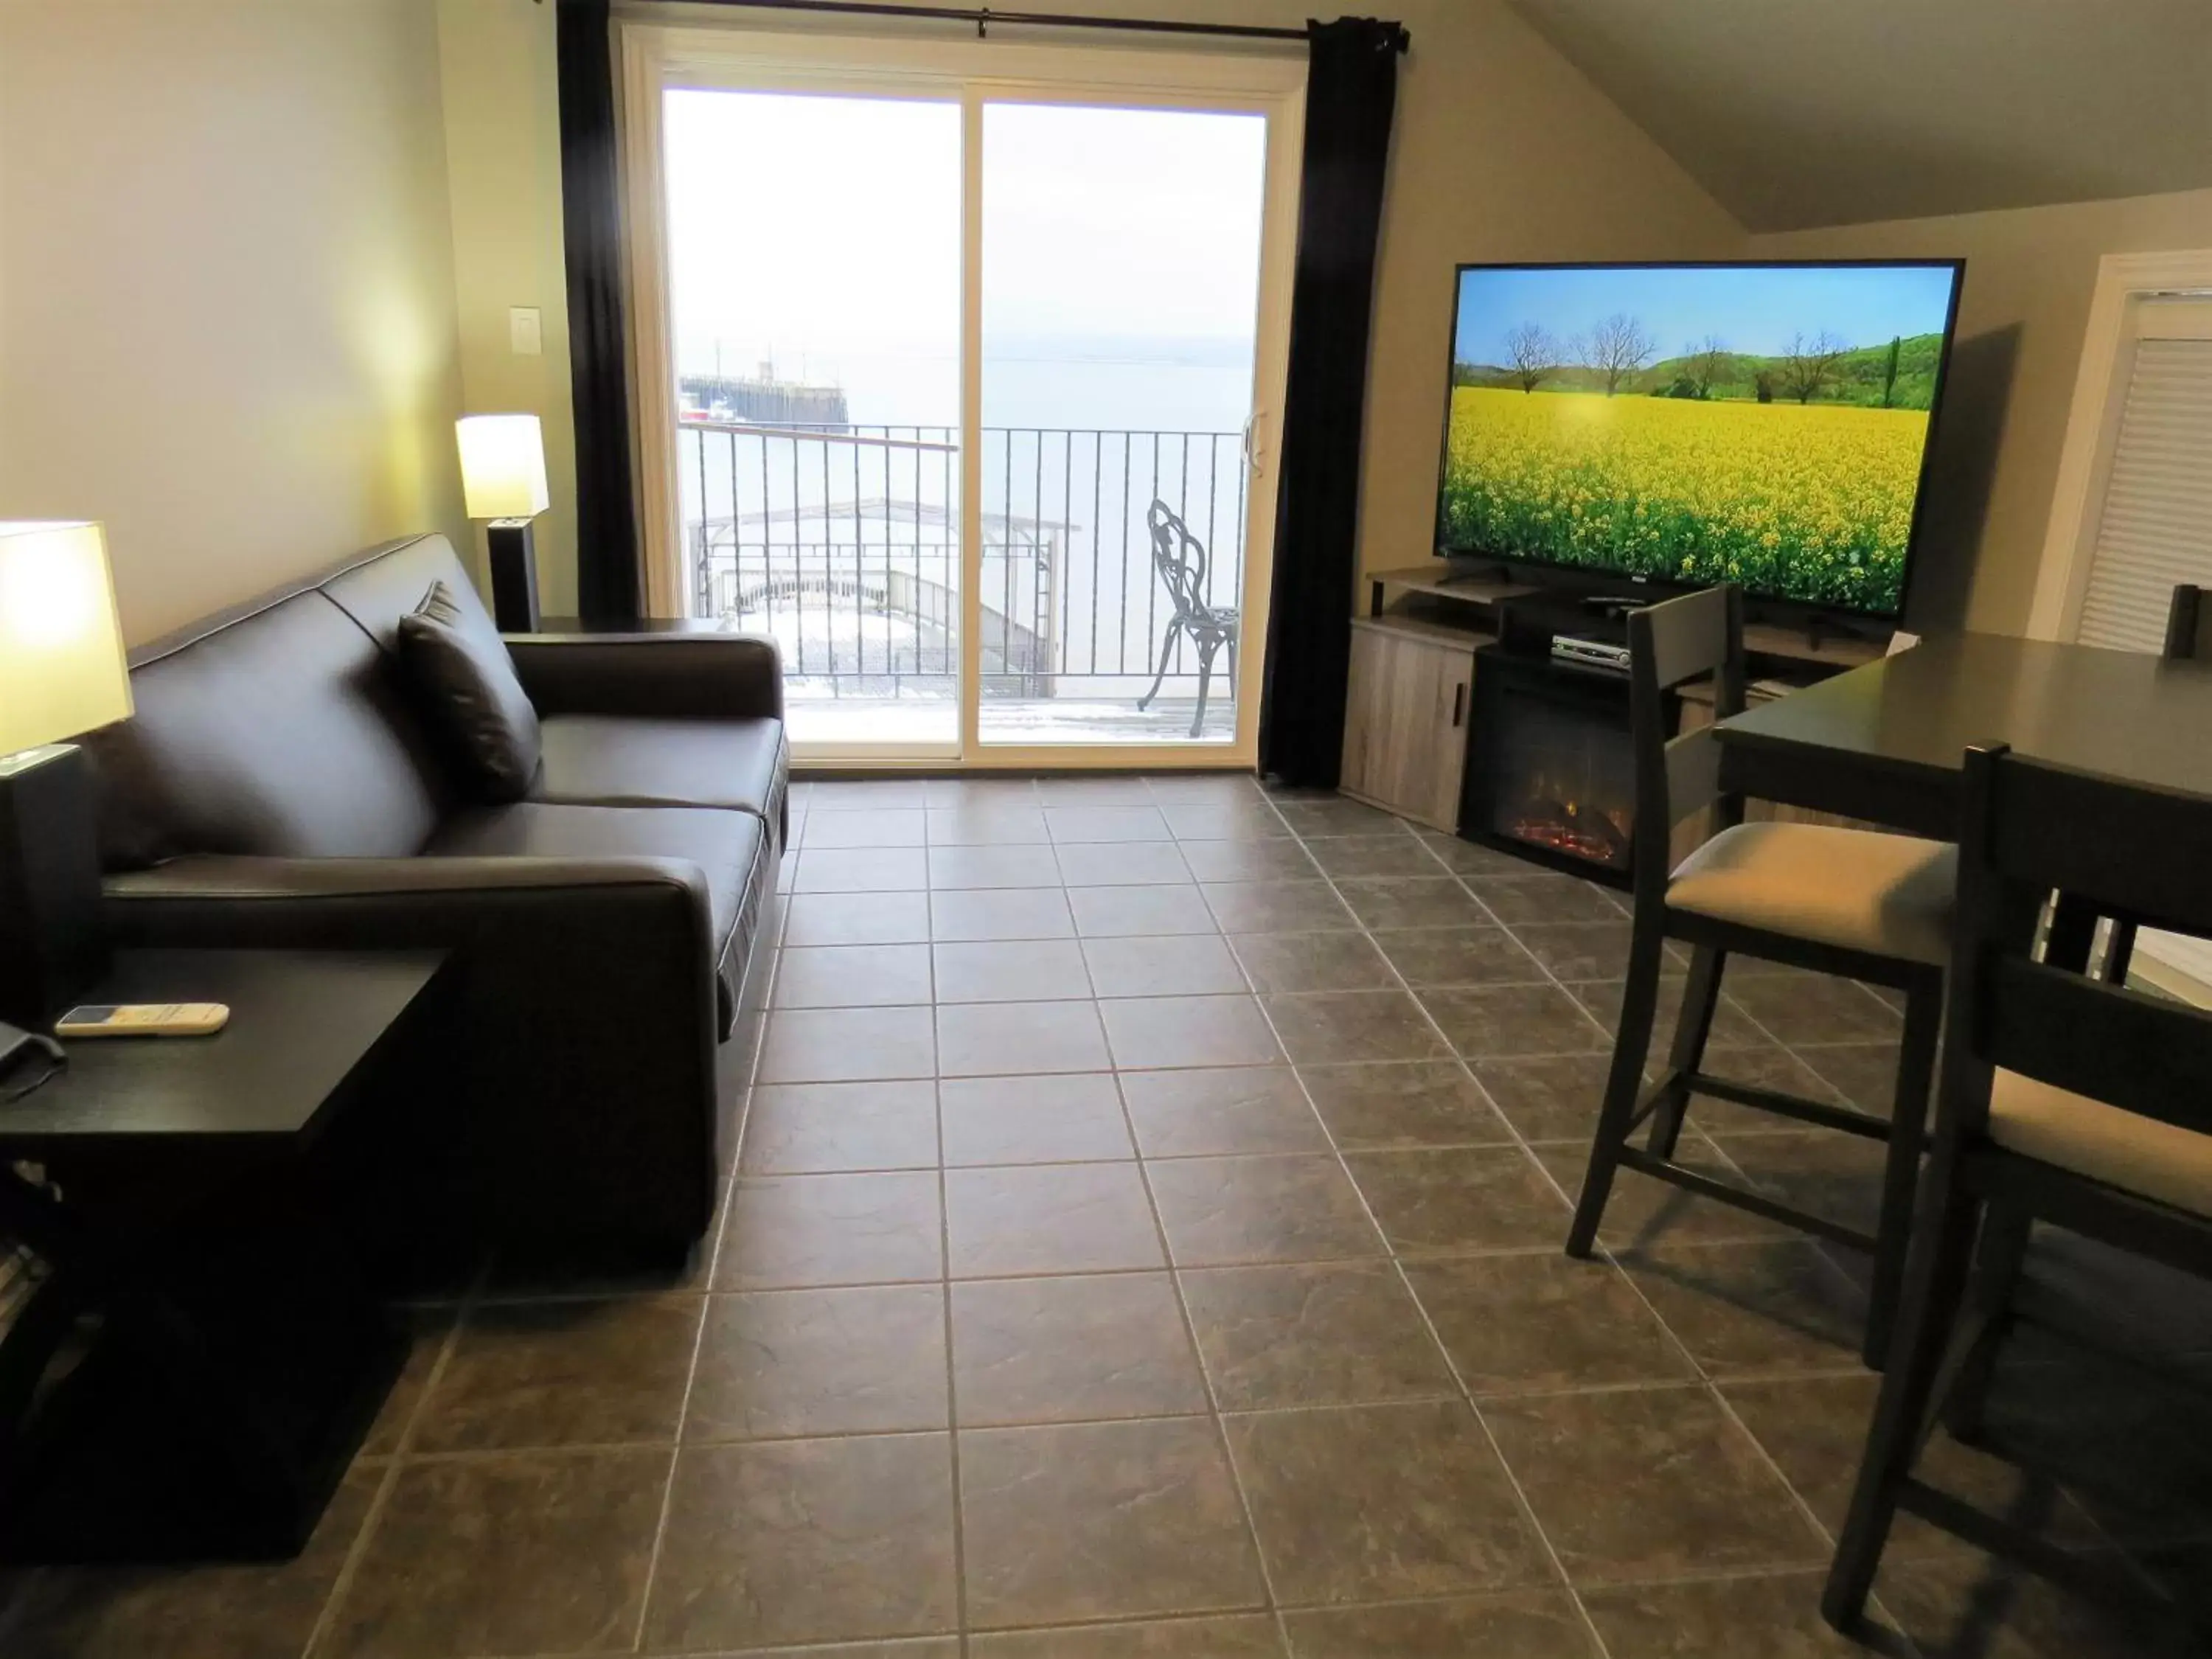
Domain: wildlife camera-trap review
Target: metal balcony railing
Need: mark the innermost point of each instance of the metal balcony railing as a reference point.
(843, 542)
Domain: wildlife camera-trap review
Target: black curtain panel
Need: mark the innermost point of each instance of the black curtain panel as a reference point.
(607, 574)
(1351, 95)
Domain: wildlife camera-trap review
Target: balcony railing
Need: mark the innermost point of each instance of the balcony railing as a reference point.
(843, 542)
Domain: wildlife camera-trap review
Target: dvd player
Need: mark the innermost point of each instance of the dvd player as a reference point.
(1593, 653)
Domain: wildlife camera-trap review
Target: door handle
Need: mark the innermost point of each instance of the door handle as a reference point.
(1459, 703)
(1252, 448)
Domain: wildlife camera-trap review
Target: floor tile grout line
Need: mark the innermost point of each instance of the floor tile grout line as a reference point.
(357, 1550)
(1527, 1509)
(1704, 1380)
(944, 1312)
(1214, 1415)
(318, 1633)
(1611, 1256)
(951, 1381)
(1198, 1358)
(1517, 1139)
(705, 1307)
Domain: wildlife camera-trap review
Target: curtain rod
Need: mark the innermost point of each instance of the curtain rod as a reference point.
(983, 17)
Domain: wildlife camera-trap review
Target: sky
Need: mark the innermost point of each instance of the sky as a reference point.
(823, 233)
(1752, 308)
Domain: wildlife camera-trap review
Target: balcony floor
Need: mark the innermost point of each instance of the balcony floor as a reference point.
(1055, 721)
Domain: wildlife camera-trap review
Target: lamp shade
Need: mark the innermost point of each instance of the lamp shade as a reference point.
(503, 466)
(61, 669)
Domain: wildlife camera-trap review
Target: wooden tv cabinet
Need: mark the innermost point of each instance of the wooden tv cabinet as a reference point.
(1412, 687)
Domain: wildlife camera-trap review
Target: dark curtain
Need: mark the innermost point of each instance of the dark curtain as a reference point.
(1351, 95)
(607, 576)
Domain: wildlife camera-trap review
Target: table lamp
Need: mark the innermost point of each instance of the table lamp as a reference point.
(62, 674)
(503, 477)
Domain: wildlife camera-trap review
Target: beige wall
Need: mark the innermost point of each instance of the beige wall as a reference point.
(503, 124)
(2030, 273)
(226, 286)
(1502, 151)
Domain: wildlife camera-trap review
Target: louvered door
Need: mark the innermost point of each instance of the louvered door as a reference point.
(2154, 526)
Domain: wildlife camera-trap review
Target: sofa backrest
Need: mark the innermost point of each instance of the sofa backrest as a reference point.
(383, 585)
(281, 728)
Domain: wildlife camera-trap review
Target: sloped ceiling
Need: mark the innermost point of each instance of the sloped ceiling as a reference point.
(1801, 113)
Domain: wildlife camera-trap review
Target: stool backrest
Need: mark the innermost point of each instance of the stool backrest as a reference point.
(1699, 636)
(2025, 829)
(2188, 624)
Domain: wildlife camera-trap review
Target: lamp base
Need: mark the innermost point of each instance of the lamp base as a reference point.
(513, 574)
(53, 935)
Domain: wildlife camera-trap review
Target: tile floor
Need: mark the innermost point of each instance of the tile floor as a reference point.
(1146, 1242)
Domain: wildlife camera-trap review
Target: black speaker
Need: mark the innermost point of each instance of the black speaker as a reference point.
(53, 937)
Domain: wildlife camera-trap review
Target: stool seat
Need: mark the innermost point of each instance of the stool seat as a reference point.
(2137, 1154)
(1858, 890)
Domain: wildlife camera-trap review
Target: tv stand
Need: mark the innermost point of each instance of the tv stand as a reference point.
(1821, 628)
(1613, 606)
(1411, 699)
(1472, 583)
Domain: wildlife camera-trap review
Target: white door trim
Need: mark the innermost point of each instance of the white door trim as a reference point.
(2093, 425)
(656, 56)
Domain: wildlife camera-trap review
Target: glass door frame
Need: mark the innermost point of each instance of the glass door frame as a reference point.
(656, 59)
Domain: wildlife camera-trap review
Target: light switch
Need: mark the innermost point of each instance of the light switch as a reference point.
(524, 337)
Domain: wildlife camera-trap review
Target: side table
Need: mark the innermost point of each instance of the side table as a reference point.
(198, 1369)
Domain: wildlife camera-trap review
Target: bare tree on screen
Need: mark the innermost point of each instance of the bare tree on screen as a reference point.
(1615, 349)
(1533, 354)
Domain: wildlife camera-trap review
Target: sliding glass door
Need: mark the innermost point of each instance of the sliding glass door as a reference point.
(814, 272)
(967, 384)
(1121, 254)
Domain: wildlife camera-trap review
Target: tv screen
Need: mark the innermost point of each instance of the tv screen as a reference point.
(1765, 424)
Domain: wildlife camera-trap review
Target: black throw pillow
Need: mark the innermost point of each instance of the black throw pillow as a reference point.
(460, 666)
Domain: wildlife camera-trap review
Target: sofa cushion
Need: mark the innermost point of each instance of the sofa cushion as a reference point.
(469, 689)
(729, 848)
(280, 732)
(632, 761)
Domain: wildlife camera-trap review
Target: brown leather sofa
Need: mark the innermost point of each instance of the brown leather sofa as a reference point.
(279, 785)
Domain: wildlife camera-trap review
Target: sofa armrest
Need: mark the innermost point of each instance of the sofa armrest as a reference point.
(220, 876)
(674, 676)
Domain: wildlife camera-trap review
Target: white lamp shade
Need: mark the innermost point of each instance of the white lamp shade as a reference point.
(503, 466)
(62, 668)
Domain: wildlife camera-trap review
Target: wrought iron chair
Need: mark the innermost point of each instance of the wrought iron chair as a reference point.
(1180, 557)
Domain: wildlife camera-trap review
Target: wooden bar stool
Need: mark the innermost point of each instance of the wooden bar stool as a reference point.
(1871, 906)
(2064, 1099)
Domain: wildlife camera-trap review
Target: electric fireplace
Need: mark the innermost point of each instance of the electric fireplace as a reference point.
(1550, 770)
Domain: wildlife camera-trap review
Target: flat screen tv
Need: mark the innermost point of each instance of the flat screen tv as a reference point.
(1763, 423)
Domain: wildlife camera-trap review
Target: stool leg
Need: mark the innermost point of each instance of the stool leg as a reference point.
(1639, 1007)
(1700, 997)
(1942, 1251)
(1908, 1135)
(1997, 1263)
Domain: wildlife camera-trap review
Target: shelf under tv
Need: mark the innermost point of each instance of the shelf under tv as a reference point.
(1478, 587)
